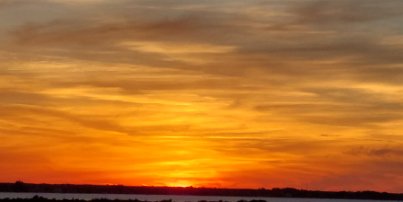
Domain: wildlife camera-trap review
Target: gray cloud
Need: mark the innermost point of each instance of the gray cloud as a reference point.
(345, 11)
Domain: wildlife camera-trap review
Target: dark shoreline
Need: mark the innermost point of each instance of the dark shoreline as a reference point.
(120, 189)
(42, 199)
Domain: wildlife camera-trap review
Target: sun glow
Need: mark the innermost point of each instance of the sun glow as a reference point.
(180, 183)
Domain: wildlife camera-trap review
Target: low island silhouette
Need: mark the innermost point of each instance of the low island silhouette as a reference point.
(20, 186)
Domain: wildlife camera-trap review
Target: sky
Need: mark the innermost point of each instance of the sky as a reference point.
(207, 93)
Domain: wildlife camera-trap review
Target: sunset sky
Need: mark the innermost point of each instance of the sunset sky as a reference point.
(214, 93)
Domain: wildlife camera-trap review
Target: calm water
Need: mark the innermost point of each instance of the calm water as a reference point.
(176, 198)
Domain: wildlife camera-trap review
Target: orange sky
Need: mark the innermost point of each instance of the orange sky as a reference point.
(226, 93)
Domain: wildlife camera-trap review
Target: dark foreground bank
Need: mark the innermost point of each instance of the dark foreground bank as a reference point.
(42, 199)
(120, 189)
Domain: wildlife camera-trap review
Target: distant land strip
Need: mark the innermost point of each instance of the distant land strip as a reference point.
(200, 191)
(42, 199)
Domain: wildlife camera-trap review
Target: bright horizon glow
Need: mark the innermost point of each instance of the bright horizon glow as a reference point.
(179, 183)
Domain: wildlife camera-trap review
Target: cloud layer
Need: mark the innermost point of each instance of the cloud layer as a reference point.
(216, 93)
